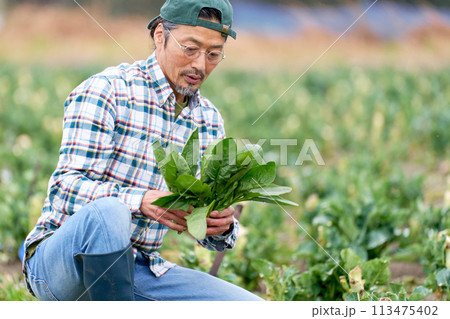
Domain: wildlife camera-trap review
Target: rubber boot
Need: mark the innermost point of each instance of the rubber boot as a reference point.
(109, 277)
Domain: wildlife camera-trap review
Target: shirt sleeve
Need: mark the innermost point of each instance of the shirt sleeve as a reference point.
(221, 134)
(86, 151)
(221, 242)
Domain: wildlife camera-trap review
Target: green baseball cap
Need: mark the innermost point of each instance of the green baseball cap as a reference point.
(186, 12)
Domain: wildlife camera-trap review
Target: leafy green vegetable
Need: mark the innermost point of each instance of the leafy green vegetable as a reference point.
(196, 221)
(376, 272)
(419, 293)
(173, 201)
(191, 152)
(227, 176)
(443, 278)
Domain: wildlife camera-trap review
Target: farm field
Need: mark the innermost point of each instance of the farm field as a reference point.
(374, 219)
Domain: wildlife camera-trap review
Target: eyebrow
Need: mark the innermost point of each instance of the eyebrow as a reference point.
(191, 39)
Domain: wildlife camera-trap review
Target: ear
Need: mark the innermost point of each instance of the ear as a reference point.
(158, 36)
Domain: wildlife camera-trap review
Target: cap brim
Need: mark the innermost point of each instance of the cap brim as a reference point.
(151, 22)
(206, 24)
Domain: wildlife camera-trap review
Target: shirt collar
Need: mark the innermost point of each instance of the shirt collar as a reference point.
(161, 85)
(158, 81)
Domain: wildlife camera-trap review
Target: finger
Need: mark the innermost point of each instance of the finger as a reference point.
(211, 231)
(226, 212)
(218, 222)
(176, 227)
(159, 212)
(175, 218)
(161, 215)
(172, 225)
(179, 212)
(215, 214)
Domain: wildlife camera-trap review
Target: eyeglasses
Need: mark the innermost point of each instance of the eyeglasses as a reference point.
(193, 52)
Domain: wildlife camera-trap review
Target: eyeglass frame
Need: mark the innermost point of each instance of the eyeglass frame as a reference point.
(184, 48)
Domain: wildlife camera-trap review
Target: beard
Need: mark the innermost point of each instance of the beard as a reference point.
(186, 91)
(189, 90)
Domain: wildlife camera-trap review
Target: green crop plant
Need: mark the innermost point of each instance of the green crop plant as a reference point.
(228, 176)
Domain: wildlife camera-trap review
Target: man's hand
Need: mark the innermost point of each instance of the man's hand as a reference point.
(219, 223)
(174, 219)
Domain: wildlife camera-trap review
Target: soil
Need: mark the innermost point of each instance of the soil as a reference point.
(11, 268)
(402, 269)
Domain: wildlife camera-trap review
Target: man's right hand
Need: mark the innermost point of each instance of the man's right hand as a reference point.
(172, 218)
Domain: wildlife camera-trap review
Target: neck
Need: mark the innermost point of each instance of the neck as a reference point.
(179, 97)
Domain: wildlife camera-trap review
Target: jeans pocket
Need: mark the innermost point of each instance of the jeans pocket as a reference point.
(38, 286)
(41, 290)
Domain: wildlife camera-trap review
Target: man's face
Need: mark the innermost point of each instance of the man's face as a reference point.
(186, 75)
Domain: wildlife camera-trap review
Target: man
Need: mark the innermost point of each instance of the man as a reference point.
(98, 235)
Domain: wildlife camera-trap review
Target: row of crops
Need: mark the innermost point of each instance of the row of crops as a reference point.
(382, 197)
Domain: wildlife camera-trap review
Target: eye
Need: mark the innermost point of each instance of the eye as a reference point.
(215, 54)
(191, 50)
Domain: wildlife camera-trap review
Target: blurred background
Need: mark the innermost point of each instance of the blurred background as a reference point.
(287, 32)
(376, 104)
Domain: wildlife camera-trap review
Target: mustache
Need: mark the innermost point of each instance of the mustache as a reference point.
(195, 72)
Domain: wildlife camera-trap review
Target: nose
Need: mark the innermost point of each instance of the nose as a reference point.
(199, 63)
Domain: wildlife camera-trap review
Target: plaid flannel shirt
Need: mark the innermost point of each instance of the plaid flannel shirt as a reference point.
(110, 123)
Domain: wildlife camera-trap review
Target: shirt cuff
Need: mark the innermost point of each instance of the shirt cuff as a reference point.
(225, 235)
(132, 197)
(221, 242)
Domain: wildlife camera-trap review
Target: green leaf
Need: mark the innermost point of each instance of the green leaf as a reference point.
(322, 219)
(377, 238)
(251, 155)
(191, 152)
(159, 152)
(443, 278)
(254, 148)
(171, 148)
(420, 293)
(220, 163)
(188, 183)
(396, 288)
(350, 259)
(223, 177)
(354, 296)
(376, 272)
(270, 200)
(348, 227)
(196, 221)
(271, 190)
(227, 199)
(182, 166)
(172, 201)
(264, 267)
(207, 154)
(258, 176)
(169, 171)
(171, 164)
(307, 249)
(236, 176)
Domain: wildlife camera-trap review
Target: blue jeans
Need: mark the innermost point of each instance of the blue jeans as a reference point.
(102, 227)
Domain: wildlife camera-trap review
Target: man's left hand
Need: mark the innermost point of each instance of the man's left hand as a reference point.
(219, 223)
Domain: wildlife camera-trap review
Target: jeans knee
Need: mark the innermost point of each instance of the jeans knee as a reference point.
(114, 209)
(114, 218)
